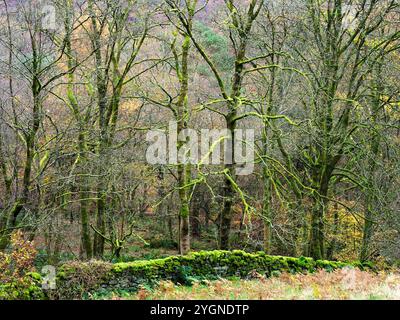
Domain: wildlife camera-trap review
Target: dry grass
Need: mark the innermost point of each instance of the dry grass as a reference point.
(344, 284)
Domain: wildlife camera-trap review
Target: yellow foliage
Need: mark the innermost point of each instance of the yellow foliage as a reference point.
(345, 229)
(130, 106)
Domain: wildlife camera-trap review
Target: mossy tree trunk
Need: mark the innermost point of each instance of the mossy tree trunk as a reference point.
(182, 118)
(112, 69)
(347, 61)
(266, 210)
(30, 133)
(81, 121)
(241, 27)
(4, 163)
(370, 198)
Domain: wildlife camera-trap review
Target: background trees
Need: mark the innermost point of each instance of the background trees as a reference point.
(316, 80)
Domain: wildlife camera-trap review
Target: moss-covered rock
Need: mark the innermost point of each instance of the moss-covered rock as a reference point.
(76, 279)
(79, 280)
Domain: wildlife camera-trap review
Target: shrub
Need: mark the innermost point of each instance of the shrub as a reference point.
(163, 243)
(130, 276)
(75, 278)
(18, 281)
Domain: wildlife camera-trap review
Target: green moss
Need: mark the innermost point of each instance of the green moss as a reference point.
(27, 289)
(34, 275)
(202, 265)
(78, 280)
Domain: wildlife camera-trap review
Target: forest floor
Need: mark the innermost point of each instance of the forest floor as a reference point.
(338, 285)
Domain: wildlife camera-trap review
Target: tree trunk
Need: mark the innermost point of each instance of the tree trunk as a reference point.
(266, 213)
(229, 193)
(316, 247)
(98, 243)
(184, 242)
(367, 234)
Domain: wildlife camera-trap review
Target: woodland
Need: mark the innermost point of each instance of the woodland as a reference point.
(314, 84)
